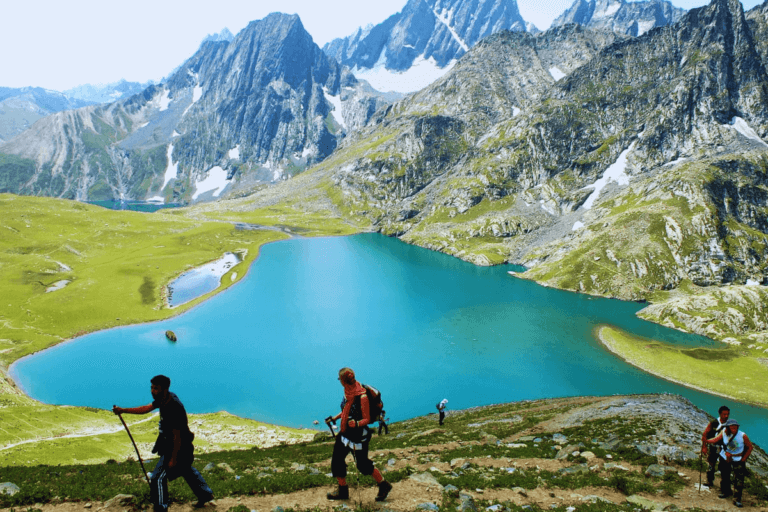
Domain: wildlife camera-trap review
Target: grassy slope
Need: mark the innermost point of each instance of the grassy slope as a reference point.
(119, 263)
(478, 437)
(732, 372)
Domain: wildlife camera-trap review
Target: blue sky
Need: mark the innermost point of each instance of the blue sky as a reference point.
(62, 44)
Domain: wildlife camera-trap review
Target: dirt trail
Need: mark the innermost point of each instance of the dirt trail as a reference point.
(408, 494)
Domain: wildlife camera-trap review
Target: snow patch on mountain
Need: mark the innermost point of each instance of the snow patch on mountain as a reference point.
(216, 181)
(172, 170)
(609, 10)
(234, 153)
(336, 102)
(741, 126)
(556, 73)
(422, 73)
(164, 100)
(616, 173)
(645, 26)
(444, 17)
(197, 93)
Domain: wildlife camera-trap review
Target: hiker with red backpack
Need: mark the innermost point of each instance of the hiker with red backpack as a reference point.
(354, 435)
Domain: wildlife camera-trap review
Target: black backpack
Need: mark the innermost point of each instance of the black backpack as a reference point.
(374, 401)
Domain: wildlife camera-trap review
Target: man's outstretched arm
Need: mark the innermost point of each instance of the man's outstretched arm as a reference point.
(144, 409)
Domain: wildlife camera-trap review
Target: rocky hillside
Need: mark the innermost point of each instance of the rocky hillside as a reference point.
(257, 109)
(630, 18)
(610, 453)
(412, 48)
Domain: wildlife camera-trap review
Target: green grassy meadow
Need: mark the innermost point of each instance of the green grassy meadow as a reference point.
(118, 265)
(734, 372)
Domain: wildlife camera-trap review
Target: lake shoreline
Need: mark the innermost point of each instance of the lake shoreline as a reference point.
(175, 312)
(8, 371)
(610, 347)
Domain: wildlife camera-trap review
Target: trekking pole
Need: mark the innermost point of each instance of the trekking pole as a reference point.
(328, 422)
(700, 468)
(357, 485)
(143, 470)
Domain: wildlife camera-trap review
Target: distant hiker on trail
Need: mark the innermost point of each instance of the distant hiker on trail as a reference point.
(173, 445)
(383, 422)
(714, 429)
(441, 409)
(733, 456)
(354, 437)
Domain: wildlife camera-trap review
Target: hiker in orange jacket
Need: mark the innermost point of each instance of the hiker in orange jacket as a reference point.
(354, 437)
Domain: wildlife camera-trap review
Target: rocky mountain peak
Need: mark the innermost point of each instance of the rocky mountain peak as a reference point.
(630, 18)
(236, 114)
(224, 35)
(414, 47)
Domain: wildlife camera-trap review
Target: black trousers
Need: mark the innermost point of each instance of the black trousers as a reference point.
(739, 469)
(340, 452)
(158, 489)
(442, 417)
(712, 457)
(384, 426)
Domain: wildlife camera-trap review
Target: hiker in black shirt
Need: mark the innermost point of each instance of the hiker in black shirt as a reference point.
(714, 428)
(173, 445)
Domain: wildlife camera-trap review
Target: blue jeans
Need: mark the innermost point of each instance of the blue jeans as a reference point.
(158, 488)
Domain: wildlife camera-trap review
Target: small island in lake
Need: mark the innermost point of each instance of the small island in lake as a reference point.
(170, 335)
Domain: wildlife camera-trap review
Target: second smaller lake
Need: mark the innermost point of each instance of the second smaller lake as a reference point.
(199, 281)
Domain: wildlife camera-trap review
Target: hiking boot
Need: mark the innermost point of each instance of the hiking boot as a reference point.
(384, 488)
(201, 502)
(737, 503)
(724, 495)
(341, 494)
(710, 484)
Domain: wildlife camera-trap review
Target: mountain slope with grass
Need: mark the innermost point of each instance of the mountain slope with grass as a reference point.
(589, 453)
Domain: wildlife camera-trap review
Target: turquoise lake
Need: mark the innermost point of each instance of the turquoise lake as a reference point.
(419, 325)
